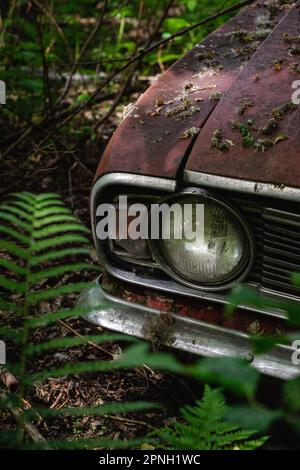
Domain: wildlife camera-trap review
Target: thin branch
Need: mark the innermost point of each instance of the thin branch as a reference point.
(82, 52)
(54, 22)
(117, 71)
(27, 427)
(146, 51)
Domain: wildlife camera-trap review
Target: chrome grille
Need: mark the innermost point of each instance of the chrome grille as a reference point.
(277, 235)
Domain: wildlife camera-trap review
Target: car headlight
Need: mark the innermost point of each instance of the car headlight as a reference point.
(221, 251)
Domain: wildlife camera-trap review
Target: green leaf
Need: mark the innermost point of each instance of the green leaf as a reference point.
(14, 234)
(9, 306)
(69, 342)
(15, 268)
(233, 373)
(264, 344)
(291, 394)
(29, 208)
(133, 356)
(14, 249)
(59, 270)
(54, 219)
(13, 334)
(99, 410)
(56, 241)
(35, 297)
(48, 203)
(25, 196)
(12, 285)
(48, 318)
(15, 221)
(52, 210)
(254, 416)
(58, 254)
(62, 228)
(16, 211)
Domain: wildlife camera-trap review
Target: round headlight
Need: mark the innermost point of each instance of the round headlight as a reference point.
(220, 250)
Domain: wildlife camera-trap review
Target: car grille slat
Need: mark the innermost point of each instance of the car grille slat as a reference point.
(277, 239)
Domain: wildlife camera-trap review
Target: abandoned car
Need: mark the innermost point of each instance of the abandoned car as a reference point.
(220, 128)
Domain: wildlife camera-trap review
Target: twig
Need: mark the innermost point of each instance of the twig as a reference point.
(146, 51)
(130, 421)
(117, 71)
(91, 343)
(82, 52)
(127, 83)
(46, 81)
(28, 427)
(54, 22)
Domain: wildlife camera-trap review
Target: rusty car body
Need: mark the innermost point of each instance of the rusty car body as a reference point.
(219, 121)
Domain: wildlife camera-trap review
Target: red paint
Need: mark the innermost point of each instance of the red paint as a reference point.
(150, 144)
(279, 164)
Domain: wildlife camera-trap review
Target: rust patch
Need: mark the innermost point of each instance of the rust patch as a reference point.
(270, 123)
(159, 330)
(147, 141)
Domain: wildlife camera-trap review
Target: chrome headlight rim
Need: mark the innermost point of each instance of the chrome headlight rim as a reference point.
(243, 268)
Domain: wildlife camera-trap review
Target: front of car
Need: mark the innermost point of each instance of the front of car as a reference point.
(219, 131)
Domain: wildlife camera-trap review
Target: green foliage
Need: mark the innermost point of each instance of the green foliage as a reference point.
(204, 428)
(34, 34)
(35, 234)
(257, 414)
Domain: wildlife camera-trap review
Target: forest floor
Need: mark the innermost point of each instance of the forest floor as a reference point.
(90, 389)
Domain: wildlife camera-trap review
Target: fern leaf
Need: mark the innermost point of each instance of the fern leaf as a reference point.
(57, 241)
(13, 267)
(99, 410)
(44, 196)
(62, 228)
(9, 306)
(15, 221)
(35, 297)
(14, 234)
(48, 318)
(69, 342)
(205, 428)
(24, 196)
(14, 249)
(59, 270)
(13, 334)
(58, 254)
(52, 210)
(27, 207)
(12, 285)
(48, 203)
(52, 219)
(15, 210)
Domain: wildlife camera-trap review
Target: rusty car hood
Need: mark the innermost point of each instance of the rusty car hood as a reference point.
(253, 133)
(191, 117)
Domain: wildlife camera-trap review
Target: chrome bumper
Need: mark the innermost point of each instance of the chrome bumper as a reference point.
(183, 333)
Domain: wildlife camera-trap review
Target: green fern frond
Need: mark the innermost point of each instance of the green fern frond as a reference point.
(14, 210)
(69, 342)
(54, 229)
(53, 219)
(48, 318)
(204, 428)
(36, 297)
(58, 271)
(99, 410)
(58, 254)
(12, 219)
(13, 267)
(57, 241)
(36, 231)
